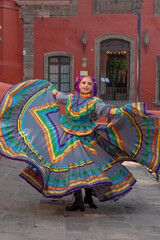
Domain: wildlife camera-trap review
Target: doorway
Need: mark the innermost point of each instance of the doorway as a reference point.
(115, 68)
(114, 82)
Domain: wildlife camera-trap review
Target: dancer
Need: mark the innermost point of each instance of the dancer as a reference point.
(68, 153)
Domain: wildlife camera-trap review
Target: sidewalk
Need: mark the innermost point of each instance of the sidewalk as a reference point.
(26, 215)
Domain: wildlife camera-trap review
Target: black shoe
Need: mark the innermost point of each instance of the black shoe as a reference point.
(75, 207)
(78, 202)
(90, 202)
(88, 198)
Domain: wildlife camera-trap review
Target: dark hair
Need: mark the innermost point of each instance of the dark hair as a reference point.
(95, 87)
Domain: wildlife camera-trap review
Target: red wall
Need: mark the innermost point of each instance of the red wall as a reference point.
(148, 59)
(64, 34)
(1, 45)
(11, 45)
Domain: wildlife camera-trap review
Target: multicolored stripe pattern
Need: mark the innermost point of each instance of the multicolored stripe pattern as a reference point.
(136, 132)
(33, 130)
(76, 111)
(79, 128)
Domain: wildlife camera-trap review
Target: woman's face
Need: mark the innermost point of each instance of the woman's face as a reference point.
(86, 85)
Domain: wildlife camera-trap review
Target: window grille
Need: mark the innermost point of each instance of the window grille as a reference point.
(59, 72)
(157, 7)
(114, 6)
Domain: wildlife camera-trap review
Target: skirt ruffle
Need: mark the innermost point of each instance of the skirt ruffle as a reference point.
(59, 162)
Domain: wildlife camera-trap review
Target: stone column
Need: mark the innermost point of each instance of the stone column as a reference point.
(27, 12)
(28, 47)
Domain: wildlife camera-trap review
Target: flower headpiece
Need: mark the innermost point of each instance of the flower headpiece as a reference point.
(95, 87)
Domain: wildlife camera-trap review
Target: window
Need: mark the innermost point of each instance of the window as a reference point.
(114, 6)
(157, 7)
(58, 69)
(59, 72)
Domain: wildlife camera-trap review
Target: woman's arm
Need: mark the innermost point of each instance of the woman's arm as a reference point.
(103, 110)
(60, 96)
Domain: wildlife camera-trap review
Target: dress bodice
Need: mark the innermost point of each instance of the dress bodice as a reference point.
(82, 111)
(81, 106)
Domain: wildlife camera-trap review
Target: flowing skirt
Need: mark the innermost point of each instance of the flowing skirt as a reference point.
(59, 163)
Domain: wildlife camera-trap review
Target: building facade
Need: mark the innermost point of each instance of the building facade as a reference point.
(43, 39)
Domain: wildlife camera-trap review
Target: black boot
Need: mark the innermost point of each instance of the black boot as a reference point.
(78, 202)
(88, 198)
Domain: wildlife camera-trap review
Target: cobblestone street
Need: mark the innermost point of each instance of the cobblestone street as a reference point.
(26, 215)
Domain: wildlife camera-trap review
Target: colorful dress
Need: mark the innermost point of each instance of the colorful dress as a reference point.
(68, 152)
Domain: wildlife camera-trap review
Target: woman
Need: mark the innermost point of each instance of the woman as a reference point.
(68, 153)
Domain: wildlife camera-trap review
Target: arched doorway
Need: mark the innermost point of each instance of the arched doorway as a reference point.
(115, 67)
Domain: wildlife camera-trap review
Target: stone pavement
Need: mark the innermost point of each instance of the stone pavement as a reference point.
(26, 215)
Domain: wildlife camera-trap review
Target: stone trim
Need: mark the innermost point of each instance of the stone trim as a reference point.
(132, 42)
(37, 3)
(157, 97)
(52, 54)
(28, 46)
(32, 9)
